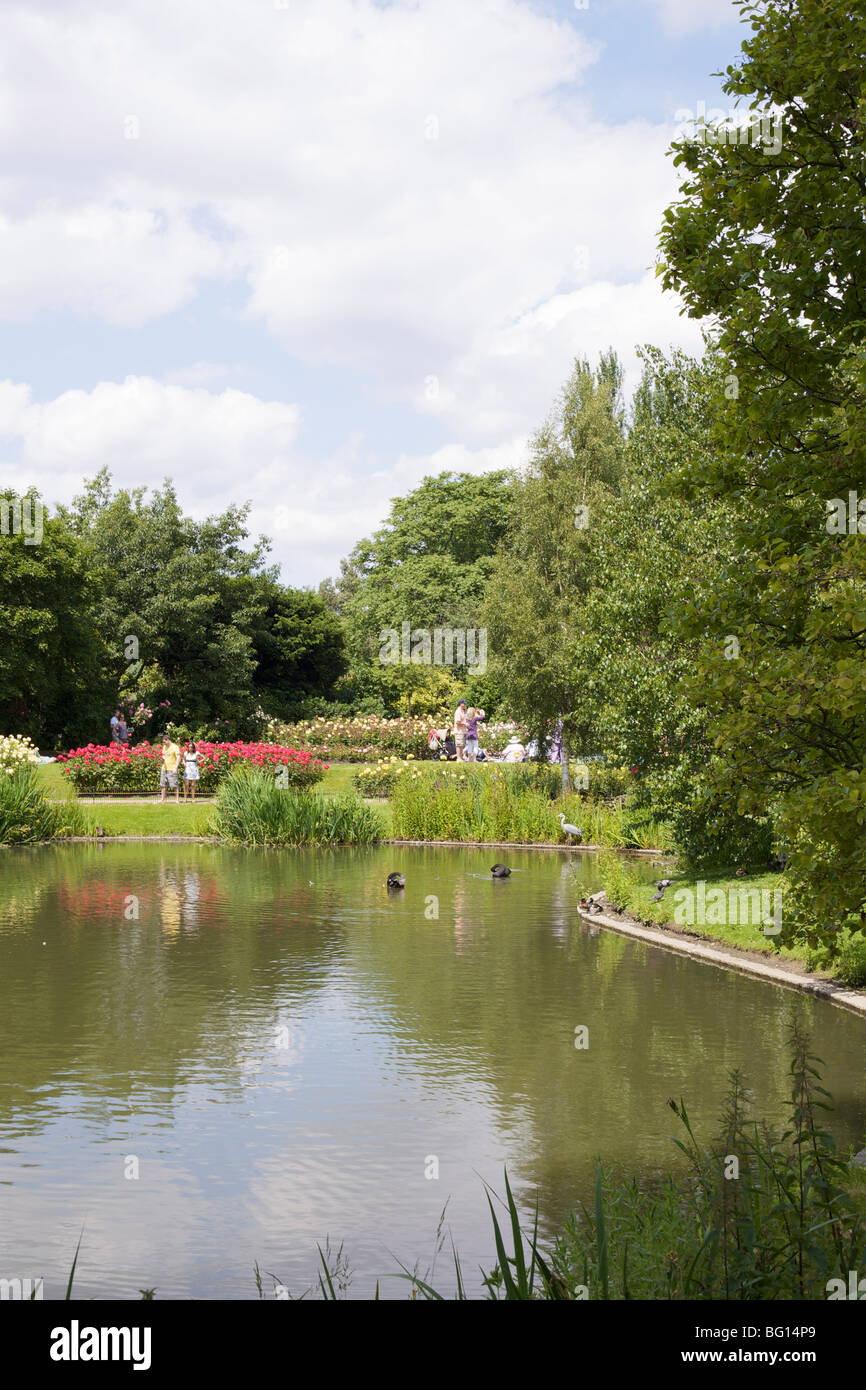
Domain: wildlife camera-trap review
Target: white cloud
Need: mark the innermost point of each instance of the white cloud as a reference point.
(688, 16)
(290, 148)
(217, 447)
(150, 148)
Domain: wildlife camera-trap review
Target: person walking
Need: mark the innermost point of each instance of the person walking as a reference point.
(191, 760)
(112, 724)
(168, 773)
(474, 717)
(460, 730)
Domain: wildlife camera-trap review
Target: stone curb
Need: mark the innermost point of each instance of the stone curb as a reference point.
(728, 959)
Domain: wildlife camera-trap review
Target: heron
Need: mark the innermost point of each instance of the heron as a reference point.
(396, 881)
(500, 871)
(570, 830)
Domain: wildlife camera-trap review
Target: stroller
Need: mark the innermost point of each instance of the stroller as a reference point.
(440, 741)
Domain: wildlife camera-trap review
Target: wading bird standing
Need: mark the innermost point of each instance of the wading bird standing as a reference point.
(571, 831)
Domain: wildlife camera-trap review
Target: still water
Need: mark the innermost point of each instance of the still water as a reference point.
(213, 1057)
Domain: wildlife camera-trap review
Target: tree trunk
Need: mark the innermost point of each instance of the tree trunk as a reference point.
(563, 758)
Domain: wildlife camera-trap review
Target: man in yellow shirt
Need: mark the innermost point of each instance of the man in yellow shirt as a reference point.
(168, 774)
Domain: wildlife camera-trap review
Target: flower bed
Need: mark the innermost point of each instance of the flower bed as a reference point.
(358, 739)
(102, 769)
(355, 739)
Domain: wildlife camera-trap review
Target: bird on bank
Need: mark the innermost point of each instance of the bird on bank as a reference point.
(662, 884)
(572, 831)
(396, 881)
(500, 871)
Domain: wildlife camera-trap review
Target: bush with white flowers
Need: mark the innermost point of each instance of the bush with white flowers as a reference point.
(16, 752)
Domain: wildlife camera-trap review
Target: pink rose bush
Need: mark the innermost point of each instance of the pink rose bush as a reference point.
(106, 768)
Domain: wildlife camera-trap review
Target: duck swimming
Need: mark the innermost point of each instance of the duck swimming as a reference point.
(500, 871)
(396, 881)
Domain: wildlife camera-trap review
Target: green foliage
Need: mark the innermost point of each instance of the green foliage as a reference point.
(428, 566)
(621, 883)
(190, 623)
(251, 809)
(478, 804)
(845, 957)
(28, 817)
(544, 571)
(770, 243)
(792, 1219)
(53, 682)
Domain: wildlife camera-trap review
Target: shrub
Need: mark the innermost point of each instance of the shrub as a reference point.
(381, 778)
(463, 805)
(357, 738)
(27, 816)
(16, 752)
(252, 809)
(354, 738)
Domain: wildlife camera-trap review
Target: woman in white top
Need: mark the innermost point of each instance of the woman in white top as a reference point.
(191, 760)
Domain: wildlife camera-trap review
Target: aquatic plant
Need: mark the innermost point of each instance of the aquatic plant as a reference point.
(252, 809)
(27, 816)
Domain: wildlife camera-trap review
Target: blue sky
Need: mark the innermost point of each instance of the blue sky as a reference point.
(303, 252)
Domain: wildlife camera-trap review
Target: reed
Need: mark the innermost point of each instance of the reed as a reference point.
(28, 817)
(251, 809)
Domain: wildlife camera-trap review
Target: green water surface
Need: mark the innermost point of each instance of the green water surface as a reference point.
(211, 1057)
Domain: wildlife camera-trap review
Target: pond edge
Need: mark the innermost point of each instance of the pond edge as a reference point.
(729, 959)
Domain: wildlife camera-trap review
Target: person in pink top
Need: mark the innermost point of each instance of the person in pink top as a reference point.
(474, 717)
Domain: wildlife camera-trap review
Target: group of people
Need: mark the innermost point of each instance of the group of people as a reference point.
(172, 756)
(462, 741)
(119, 727)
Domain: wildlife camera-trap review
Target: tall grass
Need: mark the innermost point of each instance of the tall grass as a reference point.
(482, 808)
(27, 816)
(251, 809)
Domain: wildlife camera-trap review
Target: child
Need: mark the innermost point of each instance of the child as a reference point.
(191, 760)
(474, 717)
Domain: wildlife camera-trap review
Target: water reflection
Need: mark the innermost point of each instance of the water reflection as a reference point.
(283, 1044)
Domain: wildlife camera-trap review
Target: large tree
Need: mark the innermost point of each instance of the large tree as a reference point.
(544, 570)
(52, 661)
(428, 566)
(190, 613)
(767, 239)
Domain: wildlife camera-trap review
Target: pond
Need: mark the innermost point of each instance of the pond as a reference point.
(212, 1057)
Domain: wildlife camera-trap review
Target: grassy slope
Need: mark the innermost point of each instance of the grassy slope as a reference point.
(744, 936)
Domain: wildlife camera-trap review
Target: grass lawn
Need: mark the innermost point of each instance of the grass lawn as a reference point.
(53, 783)
(148, 817)
(734, 919)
